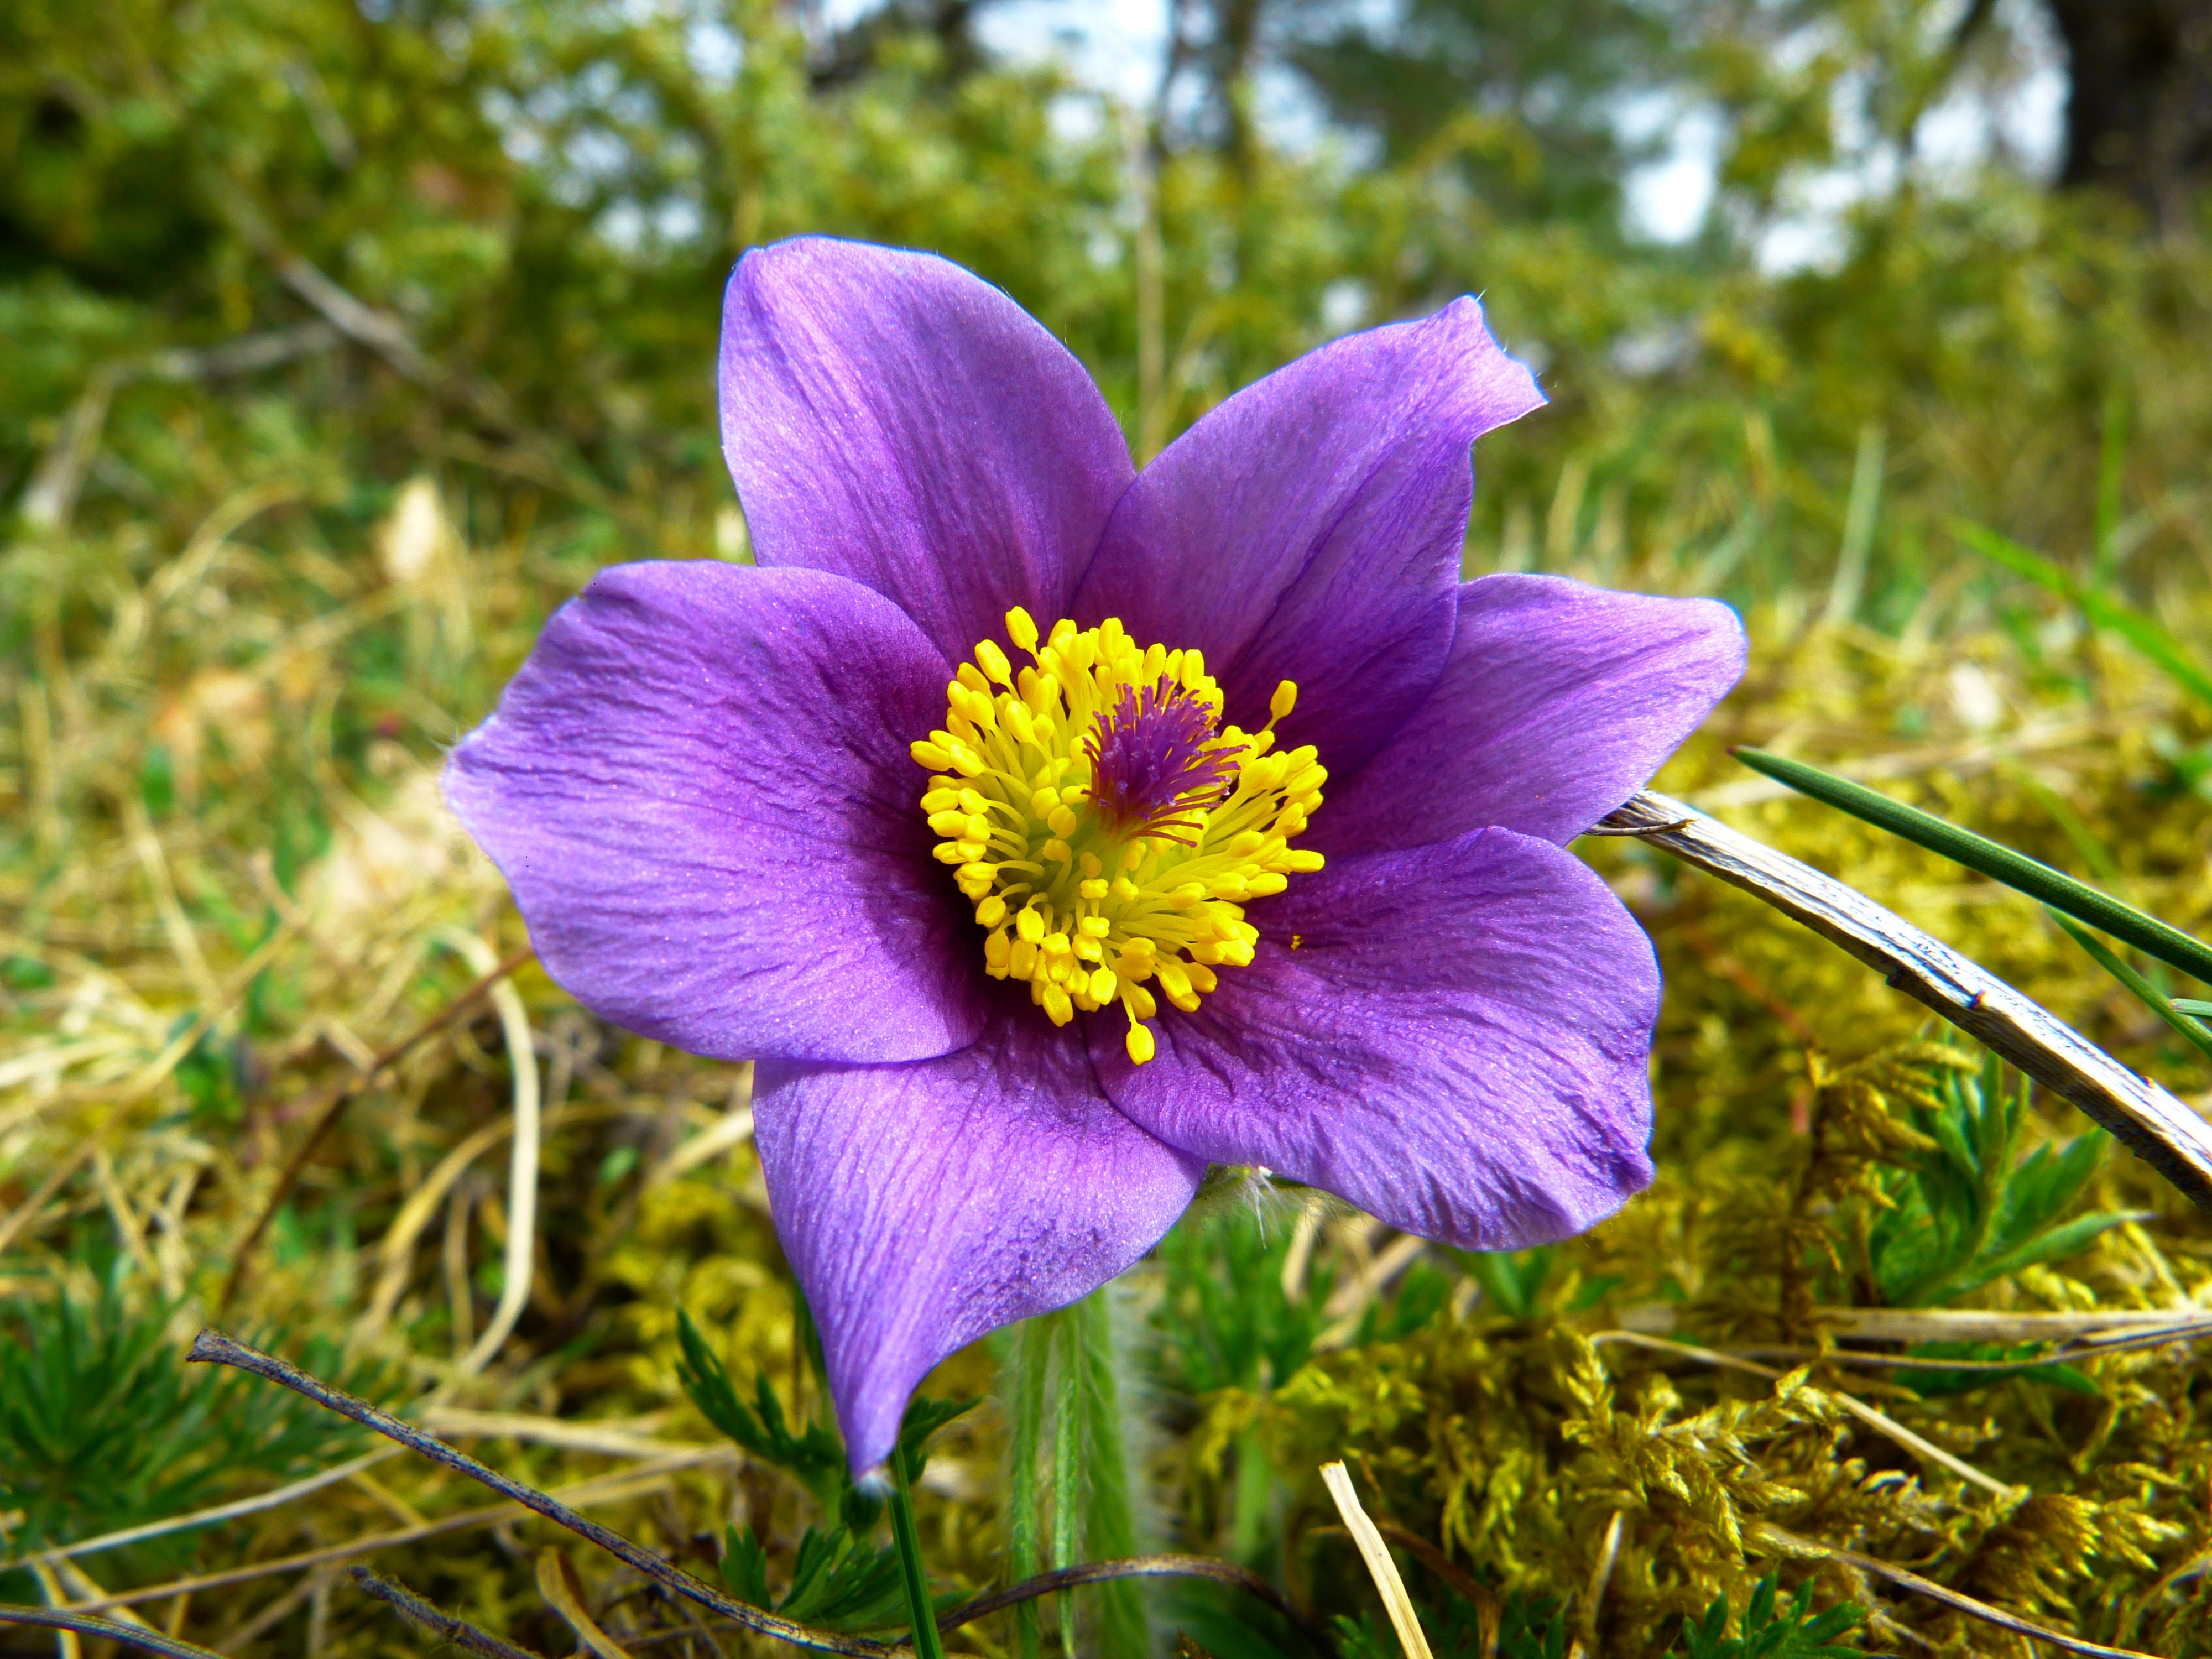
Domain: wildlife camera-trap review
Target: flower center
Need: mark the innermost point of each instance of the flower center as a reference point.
(1104, 824)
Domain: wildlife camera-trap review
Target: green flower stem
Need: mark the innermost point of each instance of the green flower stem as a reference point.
(1031, 1368)
(927, 1644)
(2000, 863)
(1110, 1527)
(2192, 1030)
(1066, 1466)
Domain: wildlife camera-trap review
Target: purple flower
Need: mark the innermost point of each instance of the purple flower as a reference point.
(1003, 746)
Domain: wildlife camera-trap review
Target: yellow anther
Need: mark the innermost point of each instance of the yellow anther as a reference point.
(1092, 908)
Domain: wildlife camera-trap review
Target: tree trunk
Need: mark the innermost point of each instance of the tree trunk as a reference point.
(2139, 118)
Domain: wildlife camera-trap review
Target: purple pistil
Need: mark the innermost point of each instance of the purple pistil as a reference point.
(1150, 765)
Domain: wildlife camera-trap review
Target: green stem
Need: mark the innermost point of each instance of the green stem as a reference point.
(1066, 1466)
(2000, 863)
(1110, 1527)
(1031, 1368)
(927, 1644)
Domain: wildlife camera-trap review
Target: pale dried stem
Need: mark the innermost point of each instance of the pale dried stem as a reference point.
(1791, 1543)
(1379, 1566)
(1880, 1421)
(2154, 1125)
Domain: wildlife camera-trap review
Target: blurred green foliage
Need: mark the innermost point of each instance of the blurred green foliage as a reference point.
(322, 242)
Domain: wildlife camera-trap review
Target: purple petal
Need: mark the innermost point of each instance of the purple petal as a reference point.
(923, 1205)
(1309, 528)
(1558, 703)
(1457, 1044)
(699, 788)
(892, 418)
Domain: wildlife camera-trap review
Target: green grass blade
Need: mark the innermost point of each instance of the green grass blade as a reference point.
(1998, 862)
(2145, 993)
(2101, 608)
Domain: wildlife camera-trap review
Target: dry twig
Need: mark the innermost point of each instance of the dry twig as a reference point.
(86, 1624)
(441, 1624)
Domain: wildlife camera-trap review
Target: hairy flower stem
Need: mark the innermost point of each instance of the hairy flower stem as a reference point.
(1063, 1392)
(1028, 1367)
(927, 1644)
(1110, 1527)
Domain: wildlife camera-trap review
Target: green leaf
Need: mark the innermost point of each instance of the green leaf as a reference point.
(816, 1457)
(1791, 1632)
(2101, 608)
(924, 1418)
(1998, 862)
(1934, 1384)
(840, 1581)
(1511, 1280)
(744, 1567)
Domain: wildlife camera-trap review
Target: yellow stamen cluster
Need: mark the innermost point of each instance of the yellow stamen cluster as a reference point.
(1091, 911)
